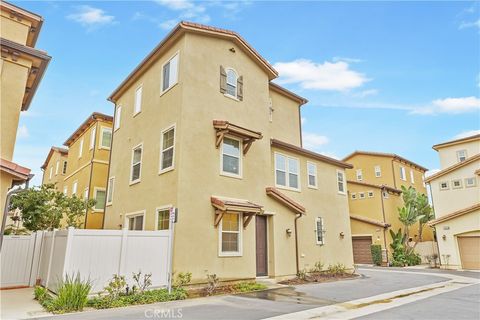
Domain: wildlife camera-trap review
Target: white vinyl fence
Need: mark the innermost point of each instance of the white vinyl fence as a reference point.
(19, 260)
(426, 248)
(98, 254)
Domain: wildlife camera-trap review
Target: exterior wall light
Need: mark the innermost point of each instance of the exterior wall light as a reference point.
(444, 237)
(289, 232)
(342, 235)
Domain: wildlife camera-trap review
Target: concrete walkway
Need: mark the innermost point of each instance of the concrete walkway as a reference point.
(19, 304)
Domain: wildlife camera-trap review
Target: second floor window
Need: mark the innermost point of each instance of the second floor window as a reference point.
(230, 83)
(80, 148)
(106, 141)
(341, 182)
(378, 171)
(286, 171)
(168, 149)
(93, 134)
(170, 73)
(412, 176)
(359, 175)
(136, 164)
(312, 174)
(231, 157)
(64, 167)
(462, 155)
(118, 114)
(403, 175)
(138, 101)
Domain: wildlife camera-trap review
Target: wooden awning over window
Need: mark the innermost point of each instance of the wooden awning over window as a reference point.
(286, 201)
(224, 127)
(226, 205)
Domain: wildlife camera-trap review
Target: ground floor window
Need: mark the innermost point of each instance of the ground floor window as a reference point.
(135, 222)
(230, 235)
(163, 218)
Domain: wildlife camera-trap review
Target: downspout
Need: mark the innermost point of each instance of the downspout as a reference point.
(91, 172)
(384, 221)
(300, 125)
(108, 171)
(299, 215)
(10, 193)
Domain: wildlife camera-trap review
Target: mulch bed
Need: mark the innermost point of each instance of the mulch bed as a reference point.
(319, 277)
(201, 292)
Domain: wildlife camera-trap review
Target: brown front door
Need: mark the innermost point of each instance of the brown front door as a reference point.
(261, 240)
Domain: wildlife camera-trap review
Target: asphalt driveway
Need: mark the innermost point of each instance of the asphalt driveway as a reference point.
(288, 300)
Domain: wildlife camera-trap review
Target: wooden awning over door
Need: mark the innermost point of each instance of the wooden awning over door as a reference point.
(226, 128)
(227, 205)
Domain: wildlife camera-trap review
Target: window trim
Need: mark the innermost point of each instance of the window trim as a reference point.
(315, 175)
(239, 253)
(226, 94)
(412, 176)
(440, 185)
(161, 208)
(361, 195)
(353, 196)
(344, 192)
(460, 186)
(135, 112)
(320, 243)
(370, 192)
(102, 129)
(379, 171)
(358, 176)
(80, 148)
(132, 182)
(134, 214)
(118, 118)
(64, 168)
(74, 188)
(472, 185)
(162, 92)
(95, 189)
(93, 137)
(172, 167)
(109, 186)
(465, 155)
(287, 172)
(57, 165)
(403, 172)
(240, 157)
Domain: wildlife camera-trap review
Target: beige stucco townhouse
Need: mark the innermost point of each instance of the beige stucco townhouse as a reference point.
(455, 194)
(199, 126)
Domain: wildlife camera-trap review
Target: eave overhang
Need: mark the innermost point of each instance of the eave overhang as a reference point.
(285, 201)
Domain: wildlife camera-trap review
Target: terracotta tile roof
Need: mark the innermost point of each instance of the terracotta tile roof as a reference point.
(456, 141)
(50, 153)
(19, 172)
(375, 186)
(91, 118)
(313, 155)
(453, 168)
(177, 31)
(235, 205)
(370, 221)
(388, 155)
(286, 201)
(455, 214)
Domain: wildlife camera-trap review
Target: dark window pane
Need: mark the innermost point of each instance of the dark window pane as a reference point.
(293, 180)
(281, 178)
(136, 172)
(230, 164)
(229, 242)
(167, 159)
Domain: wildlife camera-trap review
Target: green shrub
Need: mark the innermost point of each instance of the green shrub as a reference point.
(249, 286)
(376, 254)
(142, 282)
(146, 297)
(413, 259)
(212, 283)
(183, 279)
(318, 267)
(302, 274)
(40, 293)
(336, 269)
(72, 294)
(116, 286)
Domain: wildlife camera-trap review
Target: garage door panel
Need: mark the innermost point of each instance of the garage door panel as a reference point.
(469, 248)
(362, 250)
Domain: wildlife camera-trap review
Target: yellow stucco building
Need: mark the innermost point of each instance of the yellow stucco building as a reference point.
(87, 165)
(55, 167)
(199, 126)
(455, 192)
(374, 194)
(21, 69)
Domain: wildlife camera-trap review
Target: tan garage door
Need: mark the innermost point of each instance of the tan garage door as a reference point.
(469, 252)
(361, 250)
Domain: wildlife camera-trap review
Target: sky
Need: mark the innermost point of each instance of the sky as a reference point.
(393, 77)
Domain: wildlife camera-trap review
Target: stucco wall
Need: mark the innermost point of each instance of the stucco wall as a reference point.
(57, 178)
(13, 29)
(448, 155)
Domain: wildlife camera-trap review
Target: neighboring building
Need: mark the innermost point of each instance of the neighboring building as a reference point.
(455, 191)
(374, 194)
(200, 126)
(21, 69)
(87, 169)
(55, 167)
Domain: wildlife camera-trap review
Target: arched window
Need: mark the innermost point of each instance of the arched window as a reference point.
(231, 82)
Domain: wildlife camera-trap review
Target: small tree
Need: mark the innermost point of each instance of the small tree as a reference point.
(426, 213)
(43, 208)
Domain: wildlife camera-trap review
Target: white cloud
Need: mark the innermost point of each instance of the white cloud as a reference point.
(431, 172)
(91, 17)
(366, 93)
(330, 154)
(303, 120)
(349, 60)
(335, 76)
(22, 132)
(450, 106)
(465, 134)
(313, 141)
(470, 24)
(188, 10)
